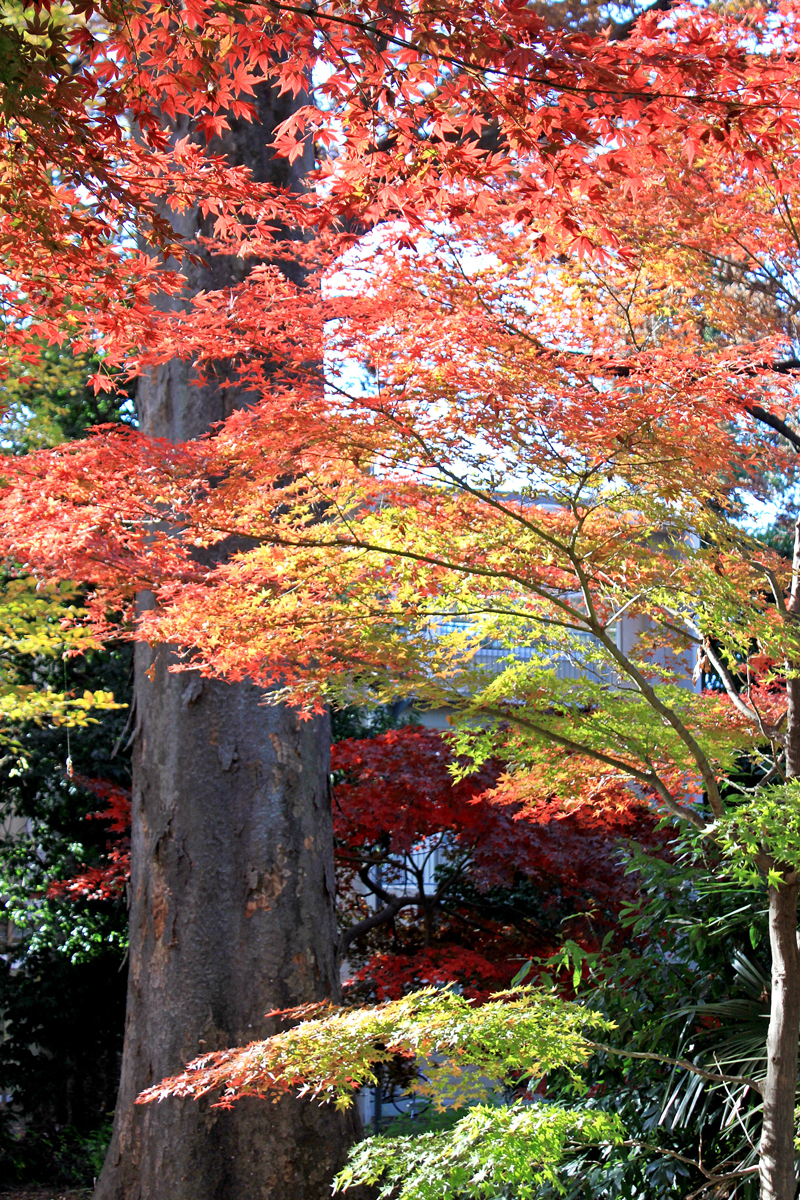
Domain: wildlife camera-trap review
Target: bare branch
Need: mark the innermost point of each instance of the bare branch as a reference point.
(681, 1062)
(749, 711)
(380, 917)
(768, 418)
(712, 1178)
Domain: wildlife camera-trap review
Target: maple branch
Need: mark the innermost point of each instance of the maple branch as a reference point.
(760, 265)
(715, 1077)
(649, 779)
(681, 630)
(375, 32)
(389, 910)
(392, 906)
(356, 543)
(622, 371)
(373, 885)
(775, 587)
(655, 702)
(728, 682)
(519, 614)
(623, 307)
(768, 418)
(455, 870)
(768, 778)
(491, 500)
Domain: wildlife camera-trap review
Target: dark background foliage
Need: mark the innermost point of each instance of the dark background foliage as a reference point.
(62, 962)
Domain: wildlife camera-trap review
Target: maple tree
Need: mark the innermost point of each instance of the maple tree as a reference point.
(470, 1048)
(570, 862)
(617, 532)
(476, 927)
(437, 883)
(583, 283)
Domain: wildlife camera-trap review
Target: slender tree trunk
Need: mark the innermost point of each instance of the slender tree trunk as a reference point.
(777, 1156)
(232, 887)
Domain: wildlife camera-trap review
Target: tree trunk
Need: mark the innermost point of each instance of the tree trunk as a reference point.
(777, 1156)
(232, 888)
(776, 1164)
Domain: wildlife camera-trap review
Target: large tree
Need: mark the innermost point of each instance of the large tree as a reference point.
(232, 886)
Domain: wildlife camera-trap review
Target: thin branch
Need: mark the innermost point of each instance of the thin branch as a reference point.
(680, 1062)
(777, 590)
(680, 630)
(736, 1102)
(656, 703)
(619, 612)
(550, 81)
(747, 710)
(649, 779)
(768, 418)
(712, 1179)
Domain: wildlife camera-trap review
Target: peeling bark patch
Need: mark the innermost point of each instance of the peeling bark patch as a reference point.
(193, 691)
(160, 907)
(285, 753)
(228, 754)
(263, 888)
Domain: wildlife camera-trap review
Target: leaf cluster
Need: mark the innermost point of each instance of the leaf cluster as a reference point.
(490, 1152)
(465, 1048)
(766, 825)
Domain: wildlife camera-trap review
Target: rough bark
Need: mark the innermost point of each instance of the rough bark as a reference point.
(232, 876)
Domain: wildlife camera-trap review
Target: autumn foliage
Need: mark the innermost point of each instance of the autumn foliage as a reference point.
(106, 881)
(488, 880)
(517, 357)
(488, 110)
